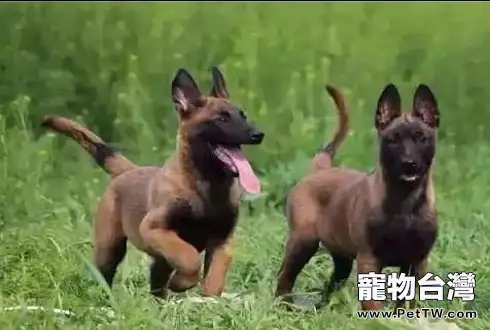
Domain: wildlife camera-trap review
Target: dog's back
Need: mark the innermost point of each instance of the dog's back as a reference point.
(318, 188)
(312, 194)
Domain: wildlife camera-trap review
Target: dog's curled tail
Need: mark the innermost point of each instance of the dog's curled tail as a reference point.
(112, 161)
(323, 158)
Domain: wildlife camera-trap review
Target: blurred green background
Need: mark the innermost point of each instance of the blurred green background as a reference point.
(112, 64)
(109, 65)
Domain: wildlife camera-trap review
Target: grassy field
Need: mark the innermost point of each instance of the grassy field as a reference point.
(109, 65)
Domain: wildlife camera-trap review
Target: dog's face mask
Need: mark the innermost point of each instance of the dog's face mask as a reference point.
(407, 140)
(217, 124)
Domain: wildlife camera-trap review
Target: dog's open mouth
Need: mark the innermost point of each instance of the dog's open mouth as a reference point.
(236, 161)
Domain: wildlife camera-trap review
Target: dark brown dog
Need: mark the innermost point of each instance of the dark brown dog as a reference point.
(381, 219)
(190, 205)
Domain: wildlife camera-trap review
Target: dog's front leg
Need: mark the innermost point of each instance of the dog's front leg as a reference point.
(167, 244)
(217, 261)
(366, 263)
(406, 269)
(418, 270)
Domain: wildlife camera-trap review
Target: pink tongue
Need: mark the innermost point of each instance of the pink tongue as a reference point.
(247, 177)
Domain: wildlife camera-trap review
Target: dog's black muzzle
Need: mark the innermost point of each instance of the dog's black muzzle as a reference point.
(410, 170)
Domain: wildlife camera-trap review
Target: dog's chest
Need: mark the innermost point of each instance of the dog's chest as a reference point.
(402, 239)
(199, 229)
(206, 217)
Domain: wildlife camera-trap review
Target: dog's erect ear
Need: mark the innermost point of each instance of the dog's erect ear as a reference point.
(425, 106)
(389, 107)
(219, 86)
(185, 93)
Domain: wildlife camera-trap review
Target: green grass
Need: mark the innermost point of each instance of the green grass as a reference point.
(109, 65)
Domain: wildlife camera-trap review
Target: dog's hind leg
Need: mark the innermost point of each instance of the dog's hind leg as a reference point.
(108, 256)
(110, 242)
(342, 269)
(367, 263)
(299, 250)
(302, 242)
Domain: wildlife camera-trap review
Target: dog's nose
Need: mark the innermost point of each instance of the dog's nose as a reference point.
(256, 136)
(409, 165)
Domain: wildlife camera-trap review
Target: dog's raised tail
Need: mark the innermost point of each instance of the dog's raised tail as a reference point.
(108, 158)
(323, 158)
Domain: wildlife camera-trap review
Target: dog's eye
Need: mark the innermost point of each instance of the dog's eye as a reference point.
(393, 139)
(224, 116)
(243, 115)
(419, 136)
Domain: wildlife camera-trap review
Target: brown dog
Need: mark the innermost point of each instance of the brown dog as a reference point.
(190, 205)
(381, 219)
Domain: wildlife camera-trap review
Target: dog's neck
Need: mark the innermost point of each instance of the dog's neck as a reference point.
(197, 161)
(402, 197)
